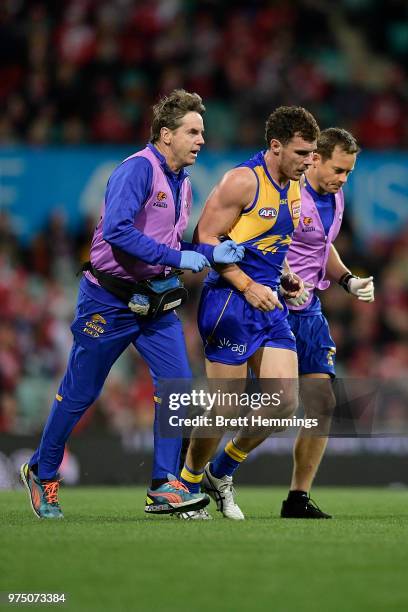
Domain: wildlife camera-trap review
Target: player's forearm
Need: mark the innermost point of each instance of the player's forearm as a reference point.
(335, 268)
(230, 272)
(234, 276)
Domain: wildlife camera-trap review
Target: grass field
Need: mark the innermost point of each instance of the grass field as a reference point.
(107, 555)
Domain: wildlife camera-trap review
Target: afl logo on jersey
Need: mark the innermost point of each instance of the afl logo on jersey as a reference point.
(307, 220)
(268, 213)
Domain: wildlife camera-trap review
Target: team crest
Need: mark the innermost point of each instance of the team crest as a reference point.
(308, 225)
(160, 201)
(97, 318)
(94, 326)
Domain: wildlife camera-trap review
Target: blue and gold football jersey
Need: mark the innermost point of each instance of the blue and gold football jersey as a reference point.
(266, 227)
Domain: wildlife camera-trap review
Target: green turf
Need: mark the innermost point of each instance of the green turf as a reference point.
(106, 555)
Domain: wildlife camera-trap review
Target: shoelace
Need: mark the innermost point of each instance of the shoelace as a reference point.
(51, 491)
(176, 484)
(312, 503)
(229, 489)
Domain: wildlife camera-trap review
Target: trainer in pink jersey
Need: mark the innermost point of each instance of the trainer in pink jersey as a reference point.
(310, 247)
(313, 256)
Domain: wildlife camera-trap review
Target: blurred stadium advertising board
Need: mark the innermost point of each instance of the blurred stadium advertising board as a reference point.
(107, 459)
(33, 182)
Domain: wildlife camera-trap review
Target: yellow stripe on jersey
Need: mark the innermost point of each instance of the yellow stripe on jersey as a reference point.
(263, 216)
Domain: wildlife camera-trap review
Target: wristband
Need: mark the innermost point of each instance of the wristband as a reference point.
(244, 287)
(344, 280)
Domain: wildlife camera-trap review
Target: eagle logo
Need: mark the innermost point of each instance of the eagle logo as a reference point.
(97, 318)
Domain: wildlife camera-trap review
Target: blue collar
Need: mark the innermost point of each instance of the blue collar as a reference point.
(179, 176)
(325, 197)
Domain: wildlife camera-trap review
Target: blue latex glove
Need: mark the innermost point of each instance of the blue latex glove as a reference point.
(228, 252)
(139, 304)
(190, 260)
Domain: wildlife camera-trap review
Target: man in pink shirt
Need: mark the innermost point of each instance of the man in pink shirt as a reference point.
(314, 258)
(127, 296)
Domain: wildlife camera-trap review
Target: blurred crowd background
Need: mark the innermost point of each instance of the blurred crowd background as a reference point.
(88, 71)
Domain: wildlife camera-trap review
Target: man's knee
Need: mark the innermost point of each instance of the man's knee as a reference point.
(288, 403)
(319, 402)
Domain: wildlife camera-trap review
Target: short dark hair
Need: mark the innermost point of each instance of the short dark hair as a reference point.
(170, 110)
(332, 137)
(287, 121)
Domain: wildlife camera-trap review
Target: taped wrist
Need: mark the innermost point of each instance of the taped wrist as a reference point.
(245, 284)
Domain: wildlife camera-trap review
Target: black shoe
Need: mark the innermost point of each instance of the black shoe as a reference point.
(303, 509)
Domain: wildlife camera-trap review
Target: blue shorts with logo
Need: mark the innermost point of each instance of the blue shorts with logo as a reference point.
(232, 330)
(315, 346)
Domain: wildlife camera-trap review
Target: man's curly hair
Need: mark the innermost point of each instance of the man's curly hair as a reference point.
(288, 121)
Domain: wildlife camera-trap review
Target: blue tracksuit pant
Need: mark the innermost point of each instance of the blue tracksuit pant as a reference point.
(101, 333)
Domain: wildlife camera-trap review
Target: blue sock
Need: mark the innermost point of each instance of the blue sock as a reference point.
(191, 479)
(227, 461)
